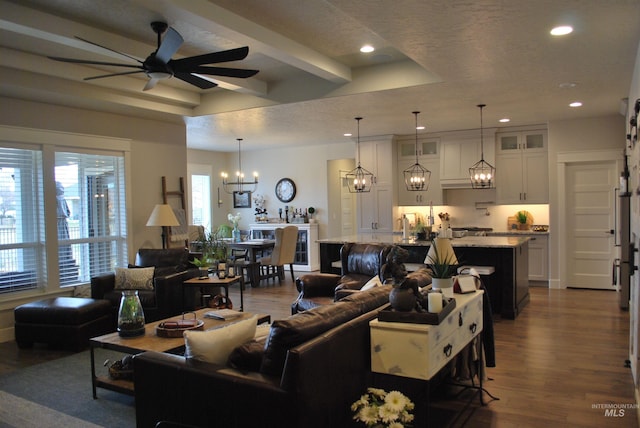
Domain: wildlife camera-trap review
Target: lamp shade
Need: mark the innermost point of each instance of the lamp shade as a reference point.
(162, 215)
(441, 252)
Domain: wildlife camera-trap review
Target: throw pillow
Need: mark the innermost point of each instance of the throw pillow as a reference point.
(134, 279)
(372, 283)
(214, 346)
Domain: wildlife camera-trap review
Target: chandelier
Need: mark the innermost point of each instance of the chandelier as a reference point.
(240, 185)
(359, 180)
(417, 177)
(482, 173)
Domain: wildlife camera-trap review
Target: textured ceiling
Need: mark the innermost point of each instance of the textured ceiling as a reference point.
(439, 57)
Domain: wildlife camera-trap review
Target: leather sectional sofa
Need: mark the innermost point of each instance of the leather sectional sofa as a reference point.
(311, 368)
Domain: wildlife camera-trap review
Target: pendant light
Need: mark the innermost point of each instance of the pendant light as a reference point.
(240, 185)
(417, 177)
(359, 180)
(482, 173)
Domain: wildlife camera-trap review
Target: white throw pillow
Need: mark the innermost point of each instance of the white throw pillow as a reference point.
(215, 346)
(134, 279)
(372, 283)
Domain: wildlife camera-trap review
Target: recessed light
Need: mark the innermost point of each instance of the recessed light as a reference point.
(367, 49)
(562, 30)
(419, 127)
(567, 85)
(504, 120)
(575, 104)
(348, 134)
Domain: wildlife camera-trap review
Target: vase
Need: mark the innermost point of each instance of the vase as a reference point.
(130, 315)
(402, 299)
(235, 234)
(445, 285)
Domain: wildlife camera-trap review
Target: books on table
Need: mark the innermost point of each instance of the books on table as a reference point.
(223, 314)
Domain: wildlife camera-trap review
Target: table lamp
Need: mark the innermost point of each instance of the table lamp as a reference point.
(162, 215)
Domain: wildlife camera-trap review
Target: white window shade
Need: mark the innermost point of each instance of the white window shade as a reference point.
(90, 215)
(22, 231)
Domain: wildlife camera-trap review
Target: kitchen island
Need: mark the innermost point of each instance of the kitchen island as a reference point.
(508, 286)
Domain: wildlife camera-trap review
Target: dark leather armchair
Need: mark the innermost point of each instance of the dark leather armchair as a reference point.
(172, 268)
(360, 262)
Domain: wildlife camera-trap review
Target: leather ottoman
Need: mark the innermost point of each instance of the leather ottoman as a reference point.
(62, 321)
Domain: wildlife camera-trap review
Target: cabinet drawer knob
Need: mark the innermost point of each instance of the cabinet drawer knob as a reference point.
(473, 327)
(447, 350)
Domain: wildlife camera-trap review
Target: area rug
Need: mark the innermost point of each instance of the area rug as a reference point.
(63, 386)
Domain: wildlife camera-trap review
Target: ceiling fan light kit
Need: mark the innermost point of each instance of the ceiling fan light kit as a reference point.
(159, 65)
(417, 177)
(482, 173)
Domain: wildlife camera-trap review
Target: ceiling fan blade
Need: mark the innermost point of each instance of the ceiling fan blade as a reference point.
(195, 80)
(170, 44)
(151, 83)
(185, 64)
(113, 74)
(82, 61)
(223, 71)
(109, 49)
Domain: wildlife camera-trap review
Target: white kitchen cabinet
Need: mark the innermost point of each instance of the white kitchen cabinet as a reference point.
(427, 147)
(522, 170)
(458, 152)
(377, 208)
(539, 258)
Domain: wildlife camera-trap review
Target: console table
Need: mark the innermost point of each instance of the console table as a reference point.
(406, 355)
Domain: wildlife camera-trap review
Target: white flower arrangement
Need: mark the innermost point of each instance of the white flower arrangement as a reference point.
(259, 201)
(234, 219)
(377, 408)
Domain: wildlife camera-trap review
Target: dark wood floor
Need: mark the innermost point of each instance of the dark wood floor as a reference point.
(564, 354)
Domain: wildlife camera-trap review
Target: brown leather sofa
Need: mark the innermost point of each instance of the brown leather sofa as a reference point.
(166, 299)
(360, 262)
(309, 371)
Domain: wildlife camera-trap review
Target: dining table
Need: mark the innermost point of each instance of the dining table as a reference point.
(254, 247)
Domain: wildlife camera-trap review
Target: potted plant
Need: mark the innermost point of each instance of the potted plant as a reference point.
(442, 261)
(421, 231)
(521, 216)
(213, 249)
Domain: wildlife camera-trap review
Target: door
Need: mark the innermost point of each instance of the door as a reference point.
(590, 216)
(347, 203)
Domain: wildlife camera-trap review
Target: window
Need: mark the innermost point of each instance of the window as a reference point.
(201, 200)
(22, 251)
(81, 229)
(90, 215)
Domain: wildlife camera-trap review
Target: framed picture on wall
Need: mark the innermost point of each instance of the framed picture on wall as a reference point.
(241, 199)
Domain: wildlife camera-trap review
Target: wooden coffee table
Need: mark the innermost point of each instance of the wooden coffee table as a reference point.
(150, 342)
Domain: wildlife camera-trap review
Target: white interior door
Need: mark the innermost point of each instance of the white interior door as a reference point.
(347, 203)
(590, 216)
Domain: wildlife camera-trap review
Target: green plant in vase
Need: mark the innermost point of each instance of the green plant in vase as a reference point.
(213, 248)
(521, 217)
(442, 260)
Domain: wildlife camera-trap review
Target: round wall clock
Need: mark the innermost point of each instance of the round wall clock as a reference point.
(286, 190)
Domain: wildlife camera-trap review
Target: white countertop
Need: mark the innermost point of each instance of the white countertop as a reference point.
(467, 241)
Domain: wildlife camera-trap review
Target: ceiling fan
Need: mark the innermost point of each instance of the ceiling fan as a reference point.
(159, 65)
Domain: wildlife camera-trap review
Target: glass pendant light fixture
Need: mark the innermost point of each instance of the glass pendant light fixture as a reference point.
(359, 180)
(417, 177)
(240, 185)
(482, 173)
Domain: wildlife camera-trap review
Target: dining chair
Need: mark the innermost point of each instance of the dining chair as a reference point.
(284, 252)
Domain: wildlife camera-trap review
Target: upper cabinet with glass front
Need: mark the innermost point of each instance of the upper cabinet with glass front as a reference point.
(427, 147)
(522, 167)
